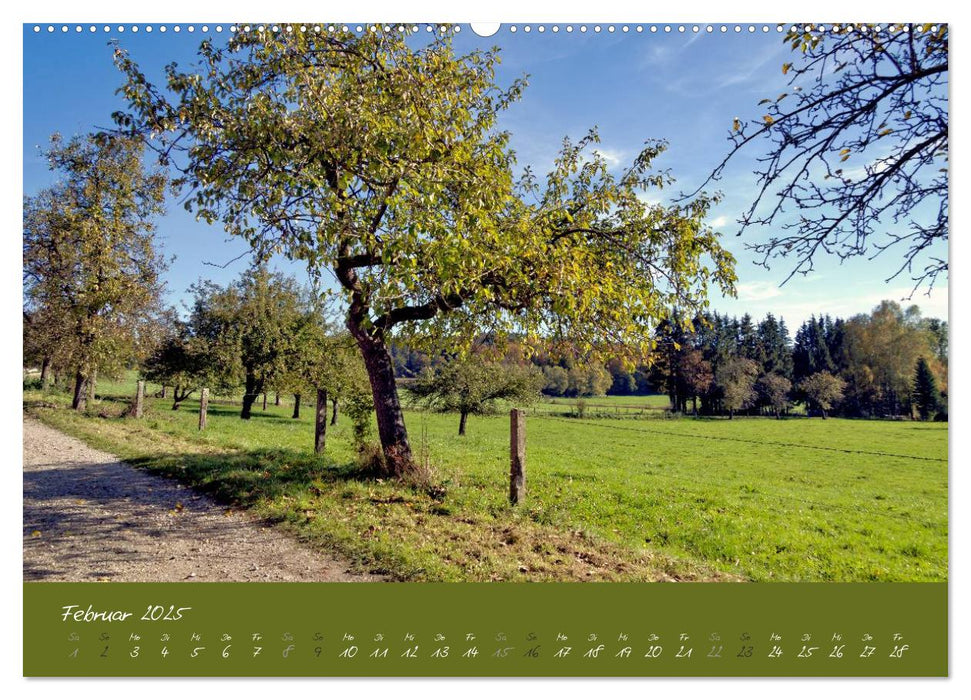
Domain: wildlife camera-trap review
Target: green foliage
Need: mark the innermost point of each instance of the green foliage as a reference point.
(557, 381)
(92, 276)
(473, 386)
(878, 354)
(822, 390)
(248, 333)
(773, 390)
(735, 379)
(927, 399)
(338, 368)
(377, 156)
(180, 361)
(589, 379)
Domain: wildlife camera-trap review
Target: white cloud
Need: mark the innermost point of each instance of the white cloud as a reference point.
(612, 156)
(719, 221)
(797, 304)
(651, 200)
(758, 291)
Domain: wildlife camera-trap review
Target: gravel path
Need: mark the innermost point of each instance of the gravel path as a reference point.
(90, 517)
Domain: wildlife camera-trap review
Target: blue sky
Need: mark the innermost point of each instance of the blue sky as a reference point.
(682, 87)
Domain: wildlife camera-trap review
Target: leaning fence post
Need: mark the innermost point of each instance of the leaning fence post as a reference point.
(203, 408)
(320, 430)
(139, 398)
(517, 455)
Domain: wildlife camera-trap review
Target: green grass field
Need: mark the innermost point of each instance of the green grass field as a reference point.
(607, 499)
(657, 401)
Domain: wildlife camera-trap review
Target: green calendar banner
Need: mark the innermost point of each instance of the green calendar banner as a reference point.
(342, 629)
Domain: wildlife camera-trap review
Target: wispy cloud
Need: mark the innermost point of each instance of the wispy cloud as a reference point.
(660, 54)
(751, 70)
(613, 156)
(797, 304)
(758, 291)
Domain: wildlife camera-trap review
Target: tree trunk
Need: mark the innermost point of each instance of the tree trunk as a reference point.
(92, 385)
(45, 374)
(276, 399)
(333, 414)
(387, 406)
(823, 411)
(320, 422)
(163, 391)
(296, 405)
(179, 395)
(463, 417)
(252, 391)
(694, 405)
(731, 413)
(264, 400)
(79, 402)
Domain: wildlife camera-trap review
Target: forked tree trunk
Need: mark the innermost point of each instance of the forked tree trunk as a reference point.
(387, 406)
(79, 401)
(296, 405)
(179, 395)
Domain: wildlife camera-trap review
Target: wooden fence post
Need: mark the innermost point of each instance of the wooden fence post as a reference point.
(139, 399)
(517, 455)
(320, 429)
(203, 408)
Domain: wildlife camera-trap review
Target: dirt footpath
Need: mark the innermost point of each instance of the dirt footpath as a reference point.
(90, 517)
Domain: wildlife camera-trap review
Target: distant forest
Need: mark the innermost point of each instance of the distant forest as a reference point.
(890, 362)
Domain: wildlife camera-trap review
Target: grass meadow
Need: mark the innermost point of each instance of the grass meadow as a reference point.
(607, 498)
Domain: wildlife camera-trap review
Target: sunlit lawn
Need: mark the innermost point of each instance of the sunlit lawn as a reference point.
(607, 499)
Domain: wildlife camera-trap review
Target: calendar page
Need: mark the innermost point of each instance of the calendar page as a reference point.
(473, 350)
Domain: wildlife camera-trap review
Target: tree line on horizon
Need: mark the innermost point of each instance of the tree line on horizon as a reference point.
(889, 362)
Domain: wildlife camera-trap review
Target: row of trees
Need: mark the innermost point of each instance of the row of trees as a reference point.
(862, 366)
(261, 334)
